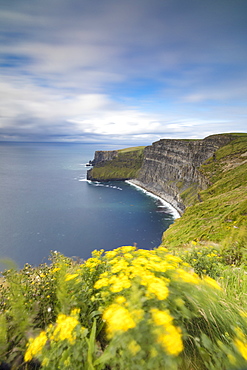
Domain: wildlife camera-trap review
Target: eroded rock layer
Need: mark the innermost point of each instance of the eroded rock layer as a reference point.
(172, 166)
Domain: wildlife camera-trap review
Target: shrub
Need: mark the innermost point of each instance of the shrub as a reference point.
(120, 309)
(205, 260)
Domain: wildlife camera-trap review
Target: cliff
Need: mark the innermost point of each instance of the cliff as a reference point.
(205, 180)
(102, 156)
(170, 168)
(115, 165)
(219, 214)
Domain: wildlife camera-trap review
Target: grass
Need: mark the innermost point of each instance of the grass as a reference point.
(221, 215)
(125, 166)
(131, 149)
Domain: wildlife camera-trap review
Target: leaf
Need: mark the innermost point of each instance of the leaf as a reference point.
(91, 347)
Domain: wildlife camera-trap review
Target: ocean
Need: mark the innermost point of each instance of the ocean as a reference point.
(46, 204)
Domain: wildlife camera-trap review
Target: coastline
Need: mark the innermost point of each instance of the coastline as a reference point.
(175, 212)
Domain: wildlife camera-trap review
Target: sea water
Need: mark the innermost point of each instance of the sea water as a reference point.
(46, 204)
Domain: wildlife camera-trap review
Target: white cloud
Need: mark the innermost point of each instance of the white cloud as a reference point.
(177, 69)
(27, 111)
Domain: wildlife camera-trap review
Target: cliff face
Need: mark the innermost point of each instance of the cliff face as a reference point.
(168, 168)
(171, 167)
(219, 215)
(101, 156)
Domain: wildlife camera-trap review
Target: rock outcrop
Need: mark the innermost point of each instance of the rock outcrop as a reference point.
(101, 156)
(170, 167)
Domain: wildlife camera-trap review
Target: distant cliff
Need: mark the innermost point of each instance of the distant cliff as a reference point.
(102, 156)
(170, 168)
(122, 164)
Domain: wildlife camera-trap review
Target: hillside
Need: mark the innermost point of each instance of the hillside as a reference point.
(219, 213)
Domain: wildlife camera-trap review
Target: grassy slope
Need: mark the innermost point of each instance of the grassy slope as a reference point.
(125, 166)
(222, 214)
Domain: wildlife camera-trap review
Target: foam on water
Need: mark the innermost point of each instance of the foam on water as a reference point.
(97, 183)
(169, 208)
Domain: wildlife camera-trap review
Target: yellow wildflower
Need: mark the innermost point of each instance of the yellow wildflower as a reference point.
(175, 259)
(171, 340)
(121, 265)
(243, 313)
(187, 277)
(120, 299)
(65, 327)
(120, 284)
(159, 288)
(240, 333)
(97, 253)
(55, 269)
(242, 347)
(111, 254)
(126, 249)
(118, 318)
(140, 261)
(101, 283)
(168, 335)
(161, 318)
(70, 276)
(92, 262)
(128, 256)
(211, 282)
(241, 342)
(75, 312)
(185, 264)
(35, 346)
(162, 249)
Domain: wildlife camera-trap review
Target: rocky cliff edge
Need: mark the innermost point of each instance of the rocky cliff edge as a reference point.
(168, 168)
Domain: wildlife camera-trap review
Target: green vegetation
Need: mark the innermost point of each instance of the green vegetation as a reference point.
(125, 309)
(219, 213)
(190, 195)
(131, 149)
(125, 166)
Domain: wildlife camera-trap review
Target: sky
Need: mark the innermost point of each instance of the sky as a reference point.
(122, 71)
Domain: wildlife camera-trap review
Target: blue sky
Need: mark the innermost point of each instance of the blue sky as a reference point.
(130, 71)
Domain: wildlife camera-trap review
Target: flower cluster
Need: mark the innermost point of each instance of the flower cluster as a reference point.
(66, 333)
(205, 260)
(127, 308)
(152, 302)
